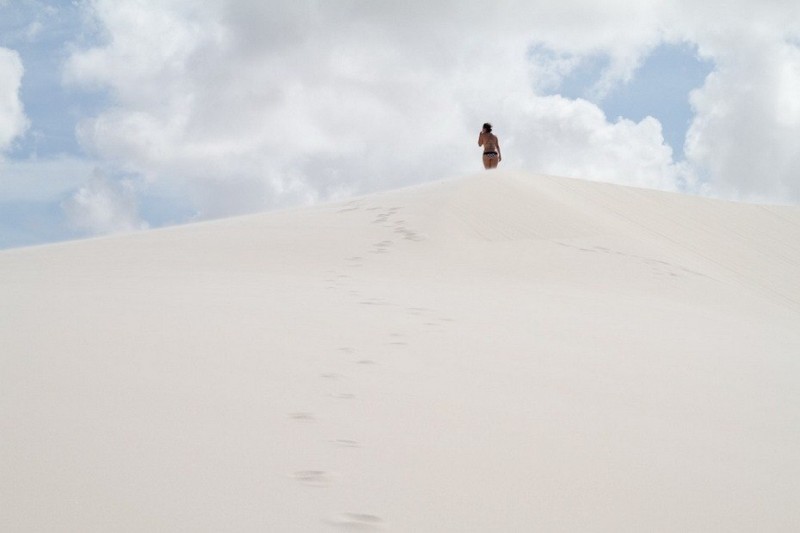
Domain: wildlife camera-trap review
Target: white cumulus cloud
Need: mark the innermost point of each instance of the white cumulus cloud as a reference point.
(245, 104)
(747, 124)
(104, 206)
(13, 121)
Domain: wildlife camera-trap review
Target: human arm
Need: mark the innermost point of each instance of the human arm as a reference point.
(480, 139)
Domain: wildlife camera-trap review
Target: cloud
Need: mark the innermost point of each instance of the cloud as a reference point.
(103, 206)
(13, 121)
(43, 180)
(624, 152)
(747, 120)
(34, 30)
(244, 105)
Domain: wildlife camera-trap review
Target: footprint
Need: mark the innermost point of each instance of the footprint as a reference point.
(354, 262)
(374, 301)
(302, 416)
(381, 247)
(350, 206)
(365, 362)
(346, 443)
(331, 375)
(407, 234)
(343, 395)
(313, 478)
(357, 522)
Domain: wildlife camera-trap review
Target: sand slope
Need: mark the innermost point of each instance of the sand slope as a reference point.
(499, 352)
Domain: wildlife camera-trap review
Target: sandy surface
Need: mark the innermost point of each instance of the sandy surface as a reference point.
(499, 352)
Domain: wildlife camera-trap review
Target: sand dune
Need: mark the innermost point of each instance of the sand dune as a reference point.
(500, 352)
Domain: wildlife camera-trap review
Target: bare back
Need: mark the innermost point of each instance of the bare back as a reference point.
(488, 141)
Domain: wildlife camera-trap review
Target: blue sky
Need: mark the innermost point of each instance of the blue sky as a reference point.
(659, 88)
(52, 108)
(43, 41)
(143, 113)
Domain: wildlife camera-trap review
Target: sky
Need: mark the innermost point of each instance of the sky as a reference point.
(123, 115)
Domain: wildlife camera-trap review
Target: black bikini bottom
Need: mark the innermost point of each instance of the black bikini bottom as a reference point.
(490, 153)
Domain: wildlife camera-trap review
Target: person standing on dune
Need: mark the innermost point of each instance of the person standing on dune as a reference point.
(491, 147)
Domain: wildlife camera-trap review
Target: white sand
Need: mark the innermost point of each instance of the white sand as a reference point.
(497, 353)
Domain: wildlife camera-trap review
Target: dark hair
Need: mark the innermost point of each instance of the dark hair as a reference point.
(487, 128)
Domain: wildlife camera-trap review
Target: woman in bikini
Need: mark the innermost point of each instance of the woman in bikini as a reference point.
(491, 147)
